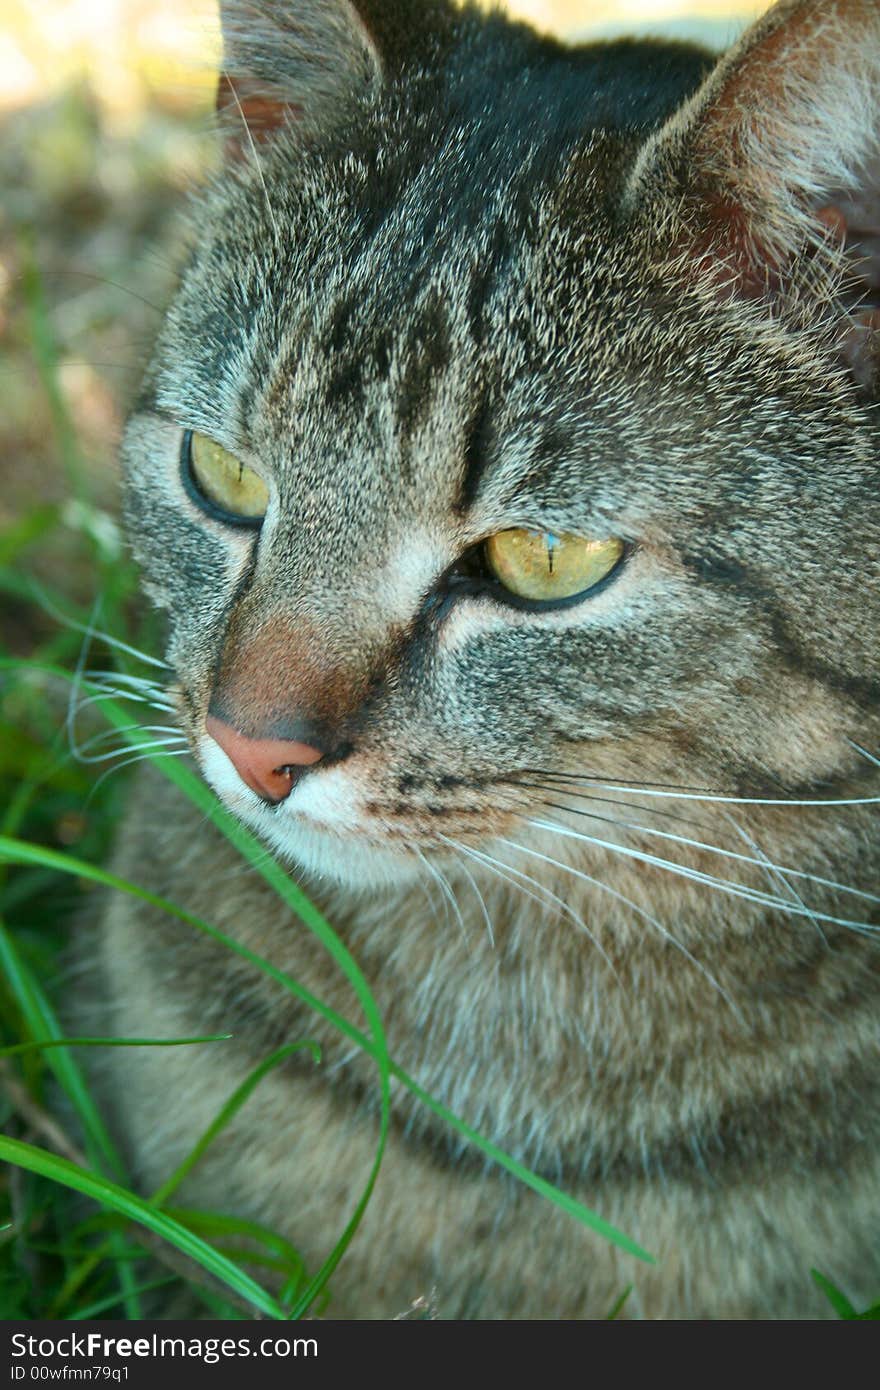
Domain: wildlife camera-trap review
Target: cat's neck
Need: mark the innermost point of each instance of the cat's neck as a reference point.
(633, 1021)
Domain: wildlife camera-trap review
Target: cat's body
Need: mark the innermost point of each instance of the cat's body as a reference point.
(477, 287)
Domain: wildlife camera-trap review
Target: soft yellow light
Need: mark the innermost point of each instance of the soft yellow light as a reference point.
(131, 49)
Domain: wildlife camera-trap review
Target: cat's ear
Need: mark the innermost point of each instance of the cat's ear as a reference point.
(310, 60)
(284, 60)
(768, 180)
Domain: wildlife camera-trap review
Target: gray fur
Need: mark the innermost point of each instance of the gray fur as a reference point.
(441, 301)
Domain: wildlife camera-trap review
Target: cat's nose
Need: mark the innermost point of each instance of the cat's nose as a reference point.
(269, 766)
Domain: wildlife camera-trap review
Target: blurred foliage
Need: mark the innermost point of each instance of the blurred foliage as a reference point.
(84, 208)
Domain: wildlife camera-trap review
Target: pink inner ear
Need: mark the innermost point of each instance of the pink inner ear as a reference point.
(242, 105)
(745, 268)
(855, 219)
(855, 216)
(727, 253)
(860, 348)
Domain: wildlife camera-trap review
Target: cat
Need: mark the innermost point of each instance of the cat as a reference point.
(507, 470)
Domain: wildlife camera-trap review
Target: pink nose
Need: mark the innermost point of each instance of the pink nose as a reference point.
(269, 766)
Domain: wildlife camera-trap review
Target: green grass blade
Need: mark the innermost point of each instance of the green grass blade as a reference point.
(19, 1048)
(252, 850)
(839, 1301)
(103, 1305)
(284, 1256)
(617, 1305)
(376, 1046)
(41, 1020)
(294, 897)
(25, 853)
(43, 1025)
(841, 1304)
(231, 1108)
(110, 1194)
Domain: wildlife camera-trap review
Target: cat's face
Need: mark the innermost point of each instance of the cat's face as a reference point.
(444, 326)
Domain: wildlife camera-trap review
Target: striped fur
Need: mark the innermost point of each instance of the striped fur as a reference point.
(610, 869)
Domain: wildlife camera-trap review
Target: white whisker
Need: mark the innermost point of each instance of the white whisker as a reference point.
(106, 691)
(775, 874)
(140, 756)
(258, 166)
(640, 911)
(566, 789)
(444, 886)
(697, 876)
(97, 739)
(75, 686)
(864, 752)
(482, 902)
(737, 800)
(127, 695)
(423, 886)
(762, 862)
(91, 631)
(546, 894)
(122, 677)
(114, 683)
(154, 745)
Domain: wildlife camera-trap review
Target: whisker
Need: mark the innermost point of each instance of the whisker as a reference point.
(444, 902)
(129, 695)
(673, 792)
(763, 862)
(625, 783)
(129, 687)
(84, 758)
(53, 272)
(257, 164)
(429, 896)
(697, 876)
(640, 911)
(742, 800)
(776, 874)
(123, 678)
(114, 732)
(547, 895)
(482, 902)
(612, 801)
(140, 756)
(91, 632)
(445, 889)
(76, 685)
(864, 752)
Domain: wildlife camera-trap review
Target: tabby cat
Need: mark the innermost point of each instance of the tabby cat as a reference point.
(507, 470)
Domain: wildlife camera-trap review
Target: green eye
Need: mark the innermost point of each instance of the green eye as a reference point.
(223, 481)
(542, 566)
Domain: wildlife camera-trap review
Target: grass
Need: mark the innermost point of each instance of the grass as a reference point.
(76, 1241)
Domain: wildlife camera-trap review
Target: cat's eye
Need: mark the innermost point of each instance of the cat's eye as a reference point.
(221, 483)
(542, 566)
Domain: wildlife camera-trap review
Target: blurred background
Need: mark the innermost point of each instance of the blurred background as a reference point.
(131, 49)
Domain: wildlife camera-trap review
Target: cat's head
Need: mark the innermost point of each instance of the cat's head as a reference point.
(514, 421)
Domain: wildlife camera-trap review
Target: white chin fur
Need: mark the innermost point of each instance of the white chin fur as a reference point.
(318, 830)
